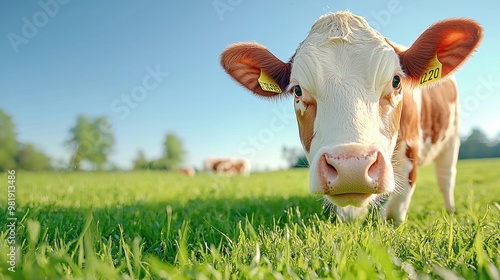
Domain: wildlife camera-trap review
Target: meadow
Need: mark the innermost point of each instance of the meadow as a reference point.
(154, 225)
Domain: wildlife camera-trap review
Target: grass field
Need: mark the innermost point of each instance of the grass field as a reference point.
(267, 226)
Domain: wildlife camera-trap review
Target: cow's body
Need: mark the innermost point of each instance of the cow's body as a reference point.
(228, 166)
(369, 111)
(187, 171)
(428, 132)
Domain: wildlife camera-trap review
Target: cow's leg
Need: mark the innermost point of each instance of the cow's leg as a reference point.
(405, 171)
(446, 171)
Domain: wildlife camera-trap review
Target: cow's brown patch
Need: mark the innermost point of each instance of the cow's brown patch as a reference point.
(412, 155)
(238, 166)
(305, 122)
(408, 128)
(216, 164)
(435, 111)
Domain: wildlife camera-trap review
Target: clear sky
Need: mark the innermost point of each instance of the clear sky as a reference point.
(153, 67)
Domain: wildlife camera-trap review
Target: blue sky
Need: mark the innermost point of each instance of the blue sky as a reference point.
(152, 67)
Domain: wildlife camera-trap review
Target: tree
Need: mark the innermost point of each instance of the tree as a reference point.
(496, 146)
(141, 162)
(295, 157)
(173, 156)
(173, 153)
(475, 146)
(79, 142)
(160, 164)
(8, 143)
(103, 147)
(31, 159)
(92, 140)
(302, 162)
(17, 155)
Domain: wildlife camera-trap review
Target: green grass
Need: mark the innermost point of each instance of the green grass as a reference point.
(267, 226)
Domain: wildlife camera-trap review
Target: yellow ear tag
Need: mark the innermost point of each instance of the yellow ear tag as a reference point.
(267, 83)
(433, 72)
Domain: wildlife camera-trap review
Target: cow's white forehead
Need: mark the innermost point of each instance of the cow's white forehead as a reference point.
(343, 25)
(341, 49)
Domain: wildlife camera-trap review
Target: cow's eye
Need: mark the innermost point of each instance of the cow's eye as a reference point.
(396, 82)
(297, 90)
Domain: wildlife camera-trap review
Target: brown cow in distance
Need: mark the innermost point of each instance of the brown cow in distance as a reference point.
(228, 166)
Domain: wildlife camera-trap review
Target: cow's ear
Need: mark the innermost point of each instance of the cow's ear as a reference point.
(441, 49)
(257, 69)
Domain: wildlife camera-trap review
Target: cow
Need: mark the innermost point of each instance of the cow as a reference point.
(369, 111)
(187, 171)
(228, 166)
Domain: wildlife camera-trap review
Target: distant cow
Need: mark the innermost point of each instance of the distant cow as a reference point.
(228, 166)
(369, 111)
(188, 171)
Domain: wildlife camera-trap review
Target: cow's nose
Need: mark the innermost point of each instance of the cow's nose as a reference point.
(351, 170)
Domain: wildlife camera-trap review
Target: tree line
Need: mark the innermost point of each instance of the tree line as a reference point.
(477, 145)
(91, 142)
(18, 155)
(171, 159)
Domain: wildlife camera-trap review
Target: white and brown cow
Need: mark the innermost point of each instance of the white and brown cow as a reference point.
(228, 166)
(369, 111)
(187, 171)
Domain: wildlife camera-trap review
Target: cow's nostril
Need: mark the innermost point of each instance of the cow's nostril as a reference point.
(331, 170)
(376, 168)
(328, 172)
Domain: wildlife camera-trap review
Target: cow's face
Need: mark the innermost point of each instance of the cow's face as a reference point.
(348, 82)
(347, 96)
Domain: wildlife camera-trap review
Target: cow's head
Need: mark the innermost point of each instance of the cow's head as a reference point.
(347, 82)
